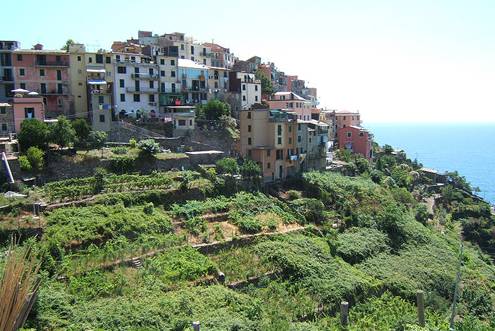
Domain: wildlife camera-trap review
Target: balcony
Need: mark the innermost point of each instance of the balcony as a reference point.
(55, 92)
(100, 91)
(52, 63)
(145, 76)
(142, 90)
(6, 79)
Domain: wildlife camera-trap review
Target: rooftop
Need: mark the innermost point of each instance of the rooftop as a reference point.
(185, 63)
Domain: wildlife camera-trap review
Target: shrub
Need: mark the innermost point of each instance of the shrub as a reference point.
(97, 139)
(148, 147)
(24, 163)
(311, 209)
(99, 180)
(35, 157)
(119, 150)
(250, 169)
(249, 225)
(132, 143)
(293, 194)
(33, 133)
(122, 164)
(421, 213)
(227, 165)
(149, 208)
(357, 244)
(62, 133)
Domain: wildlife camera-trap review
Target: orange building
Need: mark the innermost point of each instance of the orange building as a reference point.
(356, 139)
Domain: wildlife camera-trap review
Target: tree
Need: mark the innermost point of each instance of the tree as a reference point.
(35, 158)
(148, 147)
(33, 133)
(213, 110)
(266, 82)
(97, 139)
(82, 129)
(62, 133)
(68, 43)
(227, 165)
(250, 169)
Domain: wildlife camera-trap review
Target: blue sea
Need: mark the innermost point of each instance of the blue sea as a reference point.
(467, 148)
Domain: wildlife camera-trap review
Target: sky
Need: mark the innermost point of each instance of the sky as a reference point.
(394, 61)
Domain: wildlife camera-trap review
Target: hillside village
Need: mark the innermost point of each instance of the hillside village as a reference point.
(166, 184)
(153, 86)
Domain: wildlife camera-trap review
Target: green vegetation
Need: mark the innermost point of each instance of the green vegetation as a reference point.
(145, 251)
(213, 110)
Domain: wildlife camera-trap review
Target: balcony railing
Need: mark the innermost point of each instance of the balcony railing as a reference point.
(145, 76)
(100, 91)
(193, 89)
(142, 90)
(52, 63)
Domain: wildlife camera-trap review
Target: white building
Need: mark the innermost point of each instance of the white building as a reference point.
(245, 91)
(136, 85)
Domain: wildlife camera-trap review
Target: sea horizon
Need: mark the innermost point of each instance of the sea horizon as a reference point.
(464, 147)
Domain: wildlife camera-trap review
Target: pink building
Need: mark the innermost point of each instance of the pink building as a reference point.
(27, 106)
(47, 73)
(356, 139)
(291, 102)
(345, 118)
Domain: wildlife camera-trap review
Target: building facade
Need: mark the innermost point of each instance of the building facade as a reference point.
(245, 91)
(136, 85)
(356, 139)
(47, 73)
(193, 78)
(6, 119)
(292, 102)
(220, 56)
(269, 138)
(7, 69)
(27, 106)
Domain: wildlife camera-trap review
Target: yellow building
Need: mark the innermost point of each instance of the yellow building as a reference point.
(269, 138)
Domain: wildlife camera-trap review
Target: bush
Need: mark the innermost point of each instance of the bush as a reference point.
(148, 147)
(62, 133)
(97, 139)
(99, 180)
(421, 213)
(311, 209)
(293, 194)
(24, 163)
(33, 133)
(249, 225)
(35, 157)
(250, 169)
(227, 165)
(121, 165)
(82, 130)
(119, 150)
(357, 244)
(132, 143)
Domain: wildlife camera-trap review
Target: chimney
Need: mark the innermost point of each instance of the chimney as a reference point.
(38, 47)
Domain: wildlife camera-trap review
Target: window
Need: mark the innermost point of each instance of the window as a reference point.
(2, 110)
(244, 87)
(22, 72)
(122, 97)
(59, 75)
(19, 57)
(152, 84)
(150, 70)
(173, 88)
(43, 88)
(117, 58)
(151, 98)
(22, 86)
(172, 73)
(190, 123)
(204, 61)
(256, 87)
(90, 60)
(349, 134)
(192, 58)
(361, 134)
(181, 47)
(79, 58)
(162, 87)
(192, 49)
(182, 123)
(42, 72)
(280, 154)
(136, 70)
(299, 139)
(28, 112)
(279, 130)
(59, 88)
(162, 62)
(122, 83)
(249, 141)
(108, 59)
(216, 84)
(133, 59)
(279, 140)
(121, 70)
(172, 62)
(101, 99)
(137, 87)
(290, 140)
(249, 114)
(4, 126)
(102, 118)
(290, 128)
(268, 165)
(58, 59)
(243, 98)
(137, 98)
(249, 128)
(99, 58)
(162, 73)
(255, 98)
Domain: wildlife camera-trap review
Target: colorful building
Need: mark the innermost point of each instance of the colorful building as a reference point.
(220, 56)
(312, 144)
(6, 69)
(269, 138)
(356, 139)
(244, 91)
(47, 73)
(27, 105)
(193, 79)
(292, 103)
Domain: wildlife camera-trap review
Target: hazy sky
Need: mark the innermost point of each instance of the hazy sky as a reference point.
(416, 60)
